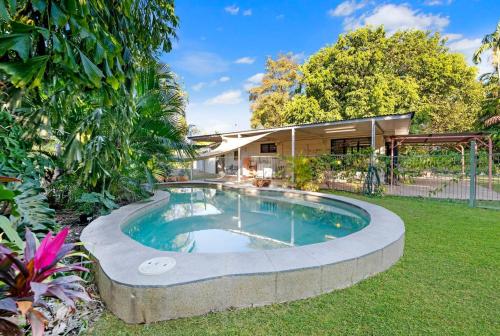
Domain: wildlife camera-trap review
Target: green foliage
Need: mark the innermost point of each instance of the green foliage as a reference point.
(279, 84)
(303, 110)
(368, 73)
(81, 85)
(308, 172)
(96, 203)
(490, 42)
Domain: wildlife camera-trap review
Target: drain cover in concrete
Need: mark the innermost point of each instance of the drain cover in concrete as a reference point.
(157, 266)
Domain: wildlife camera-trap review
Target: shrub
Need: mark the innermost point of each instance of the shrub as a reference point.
(28, 279)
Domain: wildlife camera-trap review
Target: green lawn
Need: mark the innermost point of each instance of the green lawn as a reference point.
(447, 283)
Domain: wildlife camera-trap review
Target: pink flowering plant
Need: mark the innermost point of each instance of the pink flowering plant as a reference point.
(25, 281)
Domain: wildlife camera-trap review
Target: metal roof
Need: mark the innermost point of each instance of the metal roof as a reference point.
(300, 126)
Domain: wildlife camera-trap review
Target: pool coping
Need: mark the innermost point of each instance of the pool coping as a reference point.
(272, 276)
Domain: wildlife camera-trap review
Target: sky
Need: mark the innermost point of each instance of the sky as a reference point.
(222, 46)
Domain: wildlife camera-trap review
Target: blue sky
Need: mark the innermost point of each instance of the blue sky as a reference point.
(223, 45)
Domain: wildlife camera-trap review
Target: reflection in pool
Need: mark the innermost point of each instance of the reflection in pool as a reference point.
(219, 220)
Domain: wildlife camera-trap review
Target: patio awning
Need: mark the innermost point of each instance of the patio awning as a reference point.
(230, 144)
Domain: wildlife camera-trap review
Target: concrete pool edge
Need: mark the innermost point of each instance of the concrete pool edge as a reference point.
(201, 283)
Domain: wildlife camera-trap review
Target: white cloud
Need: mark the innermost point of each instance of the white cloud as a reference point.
(233, 9)
(452, 37)
(347, 8)
(253, 81)
(437, 2)
(245, 60)
(198, 86)
(231, 97)
(398, 17)
(464, 44)
(247, 12)
(298, 57)
(201, 85)
(201, 63)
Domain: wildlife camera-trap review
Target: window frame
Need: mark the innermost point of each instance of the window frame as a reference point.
(271, 148)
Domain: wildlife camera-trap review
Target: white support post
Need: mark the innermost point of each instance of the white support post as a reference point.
(293, 155)
(192, 164)
(373, 141)
(239, 161)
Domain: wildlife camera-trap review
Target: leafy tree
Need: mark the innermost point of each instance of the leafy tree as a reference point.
(303, 110)
(279, 84)
(71, 70)
(367, 73)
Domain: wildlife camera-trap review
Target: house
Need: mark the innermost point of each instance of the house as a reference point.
(263, 152)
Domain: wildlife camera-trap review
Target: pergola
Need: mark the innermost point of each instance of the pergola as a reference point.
(457, 140)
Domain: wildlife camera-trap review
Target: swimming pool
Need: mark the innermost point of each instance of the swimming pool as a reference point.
(215, 220)
(152, 267)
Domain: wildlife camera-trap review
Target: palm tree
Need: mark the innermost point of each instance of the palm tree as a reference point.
(490, 42)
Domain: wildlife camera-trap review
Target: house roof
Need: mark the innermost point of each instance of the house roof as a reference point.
(378, 119)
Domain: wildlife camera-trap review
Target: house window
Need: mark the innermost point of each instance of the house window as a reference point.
(345, 146)
(235, 155)
(268, 148)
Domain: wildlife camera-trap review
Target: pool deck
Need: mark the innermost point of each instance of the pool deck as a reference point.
(205, 282)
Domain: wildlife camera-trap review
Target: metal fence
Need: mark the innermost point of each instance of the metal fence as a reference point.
(470, 177)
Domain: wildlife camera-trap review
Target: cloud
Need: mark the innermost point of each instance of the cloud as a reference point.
(198, 86)
(201, 85)
(245, 60)
(437, 2)
(247, 12)
(298, 57)
(452, 37)
(398, 17)
(201, 63)
(464, 44)
(233, 9)
(231, 97)
(253, 81)
(347, 8)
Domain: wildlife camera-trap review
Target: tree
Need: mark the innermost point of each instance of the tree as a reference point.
(303, 110)
(72, 70)
(490, 42)
(492, 88)
(367, 73)
(279, 84)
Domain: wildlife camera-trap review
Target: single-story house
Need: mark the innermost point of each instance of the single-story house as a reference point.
(261, 152)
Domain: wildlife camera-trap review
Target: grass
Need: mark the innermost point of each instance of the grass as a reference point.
(447, 283)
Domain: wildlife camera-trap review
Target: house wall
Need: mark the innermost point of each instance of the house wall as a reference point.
(284, 149)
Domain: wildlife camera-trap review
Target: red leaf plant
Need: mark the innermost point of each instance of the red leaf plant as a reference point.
(26, 280)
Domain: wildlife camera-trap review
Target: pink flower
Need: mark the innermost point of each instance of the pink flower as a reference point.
(46, 253)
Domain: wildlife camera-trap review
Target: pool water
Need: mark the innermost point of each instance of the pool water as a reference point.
(213, 220)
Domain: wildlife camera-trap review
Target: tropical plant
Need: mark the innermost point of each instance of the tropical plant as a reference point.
(491, 105)
(27, 280)
(97, 203)
(490, 42)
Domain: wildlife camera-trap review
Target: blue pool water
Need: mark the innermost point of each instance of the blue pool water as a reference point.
(219, 220)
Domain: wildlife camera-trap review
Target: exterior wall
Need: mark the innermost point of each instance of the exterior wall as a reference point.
(207, 165)
(314, 146)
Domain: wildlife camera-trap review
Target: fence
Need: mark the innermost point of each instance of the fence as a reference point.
(470, 177)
